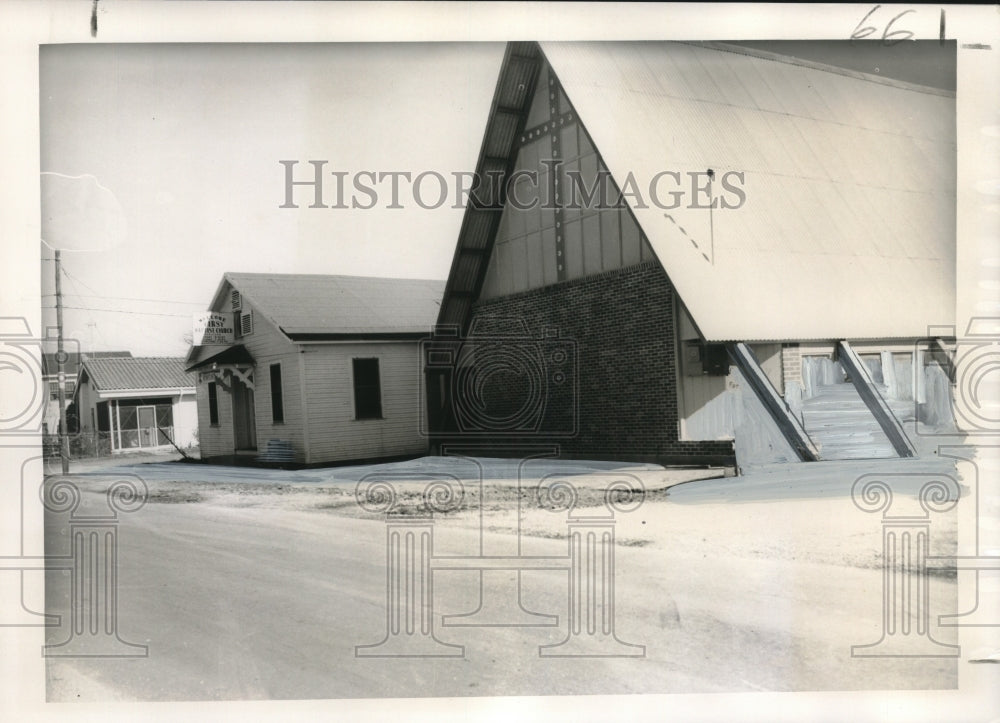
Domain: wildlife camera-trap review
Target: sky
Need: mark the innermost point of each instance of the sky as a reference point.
(187, 141)
(161, 166)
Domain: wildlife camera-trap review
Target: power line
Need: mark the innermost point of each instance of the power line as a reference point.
(120, 311)
(131, 298)
(139, 328)
(76, 280)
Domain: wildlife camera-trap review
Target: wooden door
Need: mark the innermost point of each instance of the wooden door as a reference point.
(244, 416)
(147, 426)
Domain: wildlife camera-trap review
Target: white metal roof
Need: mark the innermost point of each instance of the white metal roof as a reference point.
(137, 373)
(848, 227)
(320, 304)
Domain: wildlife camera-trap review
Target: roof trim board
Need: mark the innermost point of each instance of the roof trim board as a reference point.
(237, 354)
(805, 63)
(306, 337)
(457, 302)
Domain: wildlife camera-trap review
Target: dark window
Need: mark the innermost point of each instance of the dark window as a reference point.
(213, 404)
(367, 389)
(715, 360)
(103, 418)
(277, 406)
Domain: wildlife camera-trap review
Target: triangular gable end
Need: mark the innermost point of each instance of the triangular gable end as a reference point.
(806, 228)
(551, 219)
(228, 299)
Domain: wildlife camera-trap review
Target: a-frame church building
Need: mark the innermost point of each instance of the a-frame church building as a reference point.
(686, 252)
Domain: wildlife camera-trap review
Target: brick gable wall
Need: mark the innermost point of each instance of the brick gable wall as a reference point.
(621, 324)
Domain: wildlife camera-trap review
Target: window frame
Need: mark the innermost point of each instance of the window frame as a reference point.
(380, 411)
(213, 404)
(277, 400)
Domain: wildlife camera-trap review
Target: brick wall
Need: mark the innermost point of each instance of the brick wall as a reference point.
(791, 364)
(621, 325)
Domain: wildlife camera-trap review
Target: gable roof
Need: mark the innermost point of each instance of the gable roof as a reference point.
(848, 227)
(136, 373)
(303, 305)
(847, 230)
(50, 365)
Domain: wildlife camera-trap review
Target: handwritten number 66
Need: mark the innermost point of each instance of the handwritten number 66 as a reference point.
(889, 36)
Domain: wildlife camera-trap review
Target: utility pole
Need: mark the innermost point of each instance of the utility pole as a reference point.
(61, 360)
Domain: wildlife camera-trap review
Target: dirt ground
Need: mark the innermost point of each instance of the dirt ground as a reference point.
(249, 584)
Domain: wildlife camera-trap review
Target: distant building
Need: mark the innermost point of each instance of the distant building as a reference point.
(319, 368)
(773, 277)
(71, 368)
(141, 403)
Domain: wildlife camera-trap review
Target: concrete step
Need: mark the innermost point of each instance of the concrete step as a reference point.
(840, 423)
(846, 435)
(831, 413)
(845, 412)
(858, 451)
(845, 390)
(832, 400)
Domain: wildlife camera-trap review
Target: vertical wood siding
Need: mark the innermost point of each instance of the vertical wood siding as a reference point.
(598, 235)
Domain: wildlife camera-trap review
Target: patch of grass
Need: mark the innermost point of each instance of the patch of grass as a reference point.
(632, 542)
(334, 505)
(175, 497)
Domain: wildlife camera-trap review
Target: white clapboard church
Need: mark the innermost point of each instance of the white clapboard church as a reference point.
(311, 369)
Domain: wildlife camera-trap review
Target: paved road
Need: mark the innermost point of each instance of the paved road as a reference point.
(488, 468)
(244, 603)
